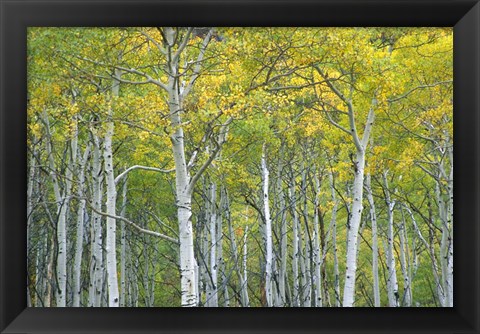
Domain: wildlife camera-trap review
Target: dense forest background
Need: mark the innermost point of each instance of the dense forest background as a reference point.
(240, 167)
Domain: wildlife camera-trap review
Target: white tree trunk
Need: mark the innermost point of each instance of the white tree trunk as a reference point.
(268, 231)
(183, 184)
(213, 297)
(30, 183)
(184, 201)
(282, 272)
(405, 263)
(333, 223)
(62, 201)
(318, 302)
(304, 298)
(123, 247)
(373, 216)
(445, 205)
(110, 244)
(295, 248)
(358, 161)
(220, 260)
(187, 260)
(77, 265)
(245, 272)
(96, 251)
(450, 231)
(305, 243)
(352, 233)
(392, 283)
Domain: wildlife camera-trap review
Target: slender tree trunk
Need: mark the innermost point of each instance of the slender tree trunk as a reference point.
(123, 247)
(268, 231)
(450, 231)
(245, 269)
(352, 232)
(405, 263)
(373, 217)
(50, 275)
(445, 206)
(282, 272)
(358, 165)
(336, 275)
(220, 260)
(96, 251)
(303, 268)
(213, 289)
(110, 244)
(77, 266)
(182, 179)
(392, 284)
(318, 302)
(295, 242)
(62, 201)
(305, 242)
(30, 186)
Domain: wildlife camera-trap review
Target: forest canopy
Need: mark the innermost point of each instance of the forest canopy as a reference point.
(240, 167)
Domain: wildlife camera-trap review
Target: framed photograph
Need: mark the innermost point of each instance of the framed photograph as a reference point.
(278, 166)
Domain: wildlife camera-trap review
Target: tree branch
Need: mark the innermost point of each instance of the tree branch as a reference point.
(183, 44)
(418, 87)
(128, 170)
(198, 66)
(150, 39)
(348, 102)
(135, 226)
(222, 138)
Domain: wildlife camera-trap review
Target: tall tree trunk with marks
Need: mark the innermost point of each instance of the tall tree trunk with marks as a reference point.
(353, 228)
(212, 296)
(245, 269)
(62, 200)
(96, 246)
(295, 241)
(268, 230)
(220, 260)
(373, 217)
(333, 222)
(392, 284)
(282, 272)
(358, 166)
(110, 244)
(318, 301)
(450, 230)
(182, 182)
(305, 246)
(77, 290)
(123, 248)
(405, 263)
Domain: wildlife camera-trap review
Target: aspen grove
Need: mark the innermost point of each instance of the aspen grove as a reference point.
(240, 167)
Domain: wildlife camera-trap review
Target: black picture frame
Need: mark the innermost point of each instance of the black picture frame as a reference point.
(16, 16)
